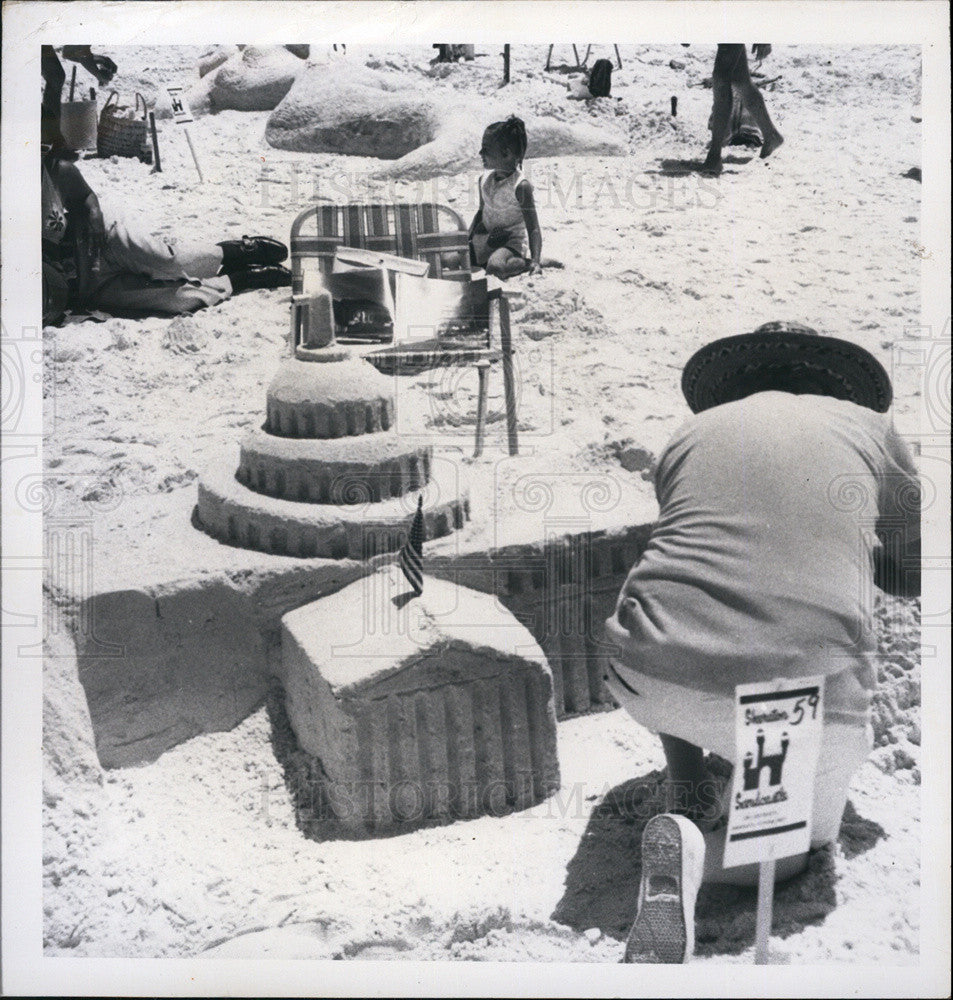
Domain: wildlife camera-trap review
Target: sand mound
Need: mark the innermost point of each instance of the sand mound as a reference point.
(359, 112)
(215, 56)
(257, 79)
(354, 116)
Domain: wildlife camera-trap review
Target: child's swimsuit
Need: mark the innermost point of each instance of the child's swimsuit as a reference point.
(501, 210)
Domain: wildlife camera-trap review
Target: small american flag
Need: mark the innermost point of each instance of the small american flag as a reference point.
(411, 555)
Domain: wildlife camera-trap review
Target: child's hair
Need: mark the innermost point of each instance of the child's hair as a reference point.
(509, 135)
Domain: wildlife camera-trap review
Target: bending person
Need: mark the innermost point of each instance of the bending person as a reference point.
(104, 262)
(759, 567)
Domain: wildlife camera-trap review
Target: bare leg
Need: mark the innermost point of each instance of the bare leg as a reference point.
(54, 77)
(720, 124)
(754, 102)
(503, 263)
(687, 777)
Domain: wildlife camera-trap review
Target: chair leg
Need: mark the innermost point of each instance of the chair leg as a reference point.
(483, 369)
(509, 387)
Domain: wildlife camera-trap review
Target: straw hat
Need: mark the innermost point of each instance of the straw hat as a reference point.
(788, 357)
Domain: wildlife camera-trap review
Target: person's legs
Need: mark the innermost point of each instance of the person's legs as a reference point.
(754, 102)
(133, 249)
(54, 76)
(504, 263)
(686, 778)
(134, 294)
(720, 124)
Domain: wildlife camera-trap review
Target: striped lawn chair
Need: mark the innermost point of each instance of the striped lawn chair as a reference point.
(424, 231)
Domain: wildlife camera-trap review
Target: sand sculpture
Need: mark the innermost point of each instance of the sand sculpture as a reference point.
(359, 112)
(415, 709)
(327, 475)
(253, 78)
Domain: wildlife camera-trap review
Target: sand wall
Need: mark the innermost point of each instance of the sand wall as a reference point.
(162, 664)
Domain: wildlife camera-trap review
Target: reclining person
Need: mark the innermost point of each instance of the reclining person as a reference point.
(95, 259)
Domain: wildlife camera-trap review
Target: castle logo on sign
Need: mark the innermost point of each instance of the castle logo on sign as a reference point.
(778, 729)
(180, 109)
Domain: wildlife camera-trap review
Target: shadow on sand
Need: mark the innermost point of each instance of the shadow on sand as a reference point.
(682, 168)
(602, 878)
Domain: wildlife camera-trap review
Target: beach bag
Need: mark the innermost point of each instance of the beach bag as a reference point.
(121, 131)
(600, 79)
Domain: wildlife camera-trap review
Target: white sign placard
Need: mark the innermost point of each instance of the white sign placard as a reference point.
(778, 727)
(180, 108)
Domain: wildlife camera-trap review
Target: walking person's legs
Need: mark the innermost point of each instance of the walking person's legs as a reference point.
(720, 124)
(754, 102)
(731, 72)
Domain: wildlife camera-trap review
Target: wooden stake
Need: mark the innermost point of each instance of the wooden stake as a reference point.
(188, 139)
(155, 144)
(72, 84)
(765, 908)
(506, 64)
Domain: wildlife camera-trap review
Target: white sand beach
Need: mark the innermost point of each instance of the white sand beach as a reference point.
(201, 853)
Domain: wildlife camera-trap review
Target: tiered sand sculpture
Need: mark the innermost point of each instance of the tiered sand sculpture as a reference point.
(327, 475)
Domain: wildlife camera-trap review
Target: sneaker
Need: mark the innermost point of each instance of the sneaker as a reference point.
(250, 251)
(673, 859)
(275, 276)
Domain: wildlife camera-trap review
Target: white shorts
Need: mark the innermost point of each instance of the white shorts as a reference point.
(707, 720)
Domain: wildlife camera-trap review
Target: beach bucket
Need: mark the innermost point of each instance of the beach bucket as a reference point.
(79, 124)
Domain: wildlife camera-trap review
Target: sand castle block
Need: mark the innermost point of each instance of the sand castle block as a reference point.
(366, 469)
(336, 400)
(424, 708)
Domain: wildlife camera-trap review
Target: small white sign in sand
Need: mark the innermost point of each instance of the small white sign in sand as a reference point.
(181, 114)
(778, 728)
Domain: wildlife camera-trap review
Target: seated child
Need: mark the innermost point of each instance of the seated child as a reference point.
(761, 565)
(506, 219)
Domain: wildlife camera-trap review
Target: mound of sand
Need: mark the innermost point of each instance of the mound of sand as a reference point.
(215, 56)
(360, 112)
(257, 79)
(355, 116)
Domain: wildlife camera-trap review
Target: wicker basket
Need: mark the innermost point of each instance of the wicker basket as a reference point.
(119, 135)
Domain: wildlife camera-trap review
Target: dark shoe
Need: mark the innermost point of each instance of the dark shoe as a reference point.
(673, 861)
(250, 251)
(260, 277)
